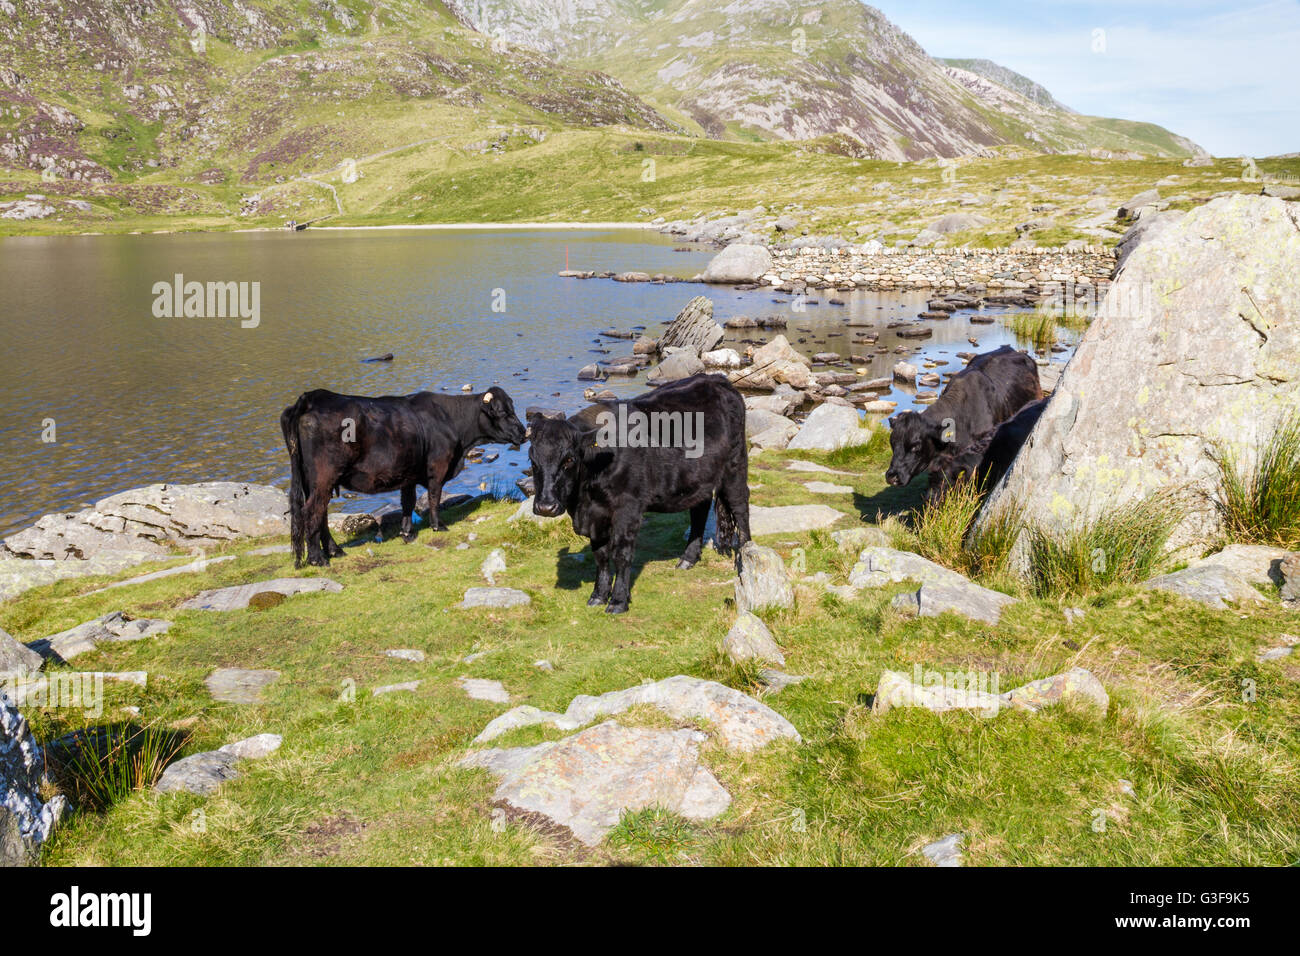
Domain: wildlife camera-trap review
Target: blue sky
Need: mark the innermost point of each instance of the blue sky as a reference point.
(1227, 75)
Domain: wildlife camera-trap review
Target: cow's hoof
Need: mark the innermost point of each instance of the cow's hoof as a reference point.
(597, 601)
(617, 609)
(408, 539)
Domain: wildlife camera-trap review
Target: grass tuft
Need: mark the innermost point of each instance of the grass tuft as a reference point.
(1260, 498)
(1123, 546)
(943, 533)
(98, 767)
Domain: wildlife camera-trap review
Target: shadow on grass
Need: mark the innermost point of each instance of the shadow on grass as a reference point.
(662, 538)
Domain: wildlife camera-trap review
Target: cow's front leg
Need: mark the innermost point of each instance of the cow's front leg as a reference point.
(699, 518)
(623, 548)
(408, 508)
(604, 576)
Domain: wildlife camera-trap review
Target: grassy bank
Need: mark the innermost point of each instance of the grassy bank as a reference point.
(1214, 776)
(622, 175)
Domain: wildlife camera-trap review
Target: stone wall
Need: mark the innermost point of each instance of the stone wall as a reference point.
(890, 270)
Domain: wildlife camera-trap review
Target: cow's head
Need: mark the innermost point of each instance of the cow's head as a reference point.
(497, 420)
(916, 442)
(556, 454)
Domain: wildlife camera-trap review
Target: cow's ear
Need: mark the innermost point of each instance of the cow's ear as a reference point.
(588, 441)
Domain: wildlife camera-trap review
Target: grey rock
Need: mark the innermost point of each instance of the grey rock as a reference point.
(811, 466)
(1144, 403)
(406, 654)
(1211, 584)
(739, 262)
(157, 518)
(254, 748)
(237, 685)
(678, 365)
(477, 688)
(85, 637)
(200, 773)
(880, 566)
(790, 519)
(26, 821)
(967, 599)
(493, 564)
(759, 420)
(827, 488)
(587, 781)
(761, 579)
(238, 596)
(1289, 568)
(16, 660)
(194, 567)
(410, 685)
(740, 722)
(945, 852)
(778, 681)
(494, 597)
(831, 427)
(858, 539)
(693, 329)
(750, 639)
(1253, 563)
(775, 438)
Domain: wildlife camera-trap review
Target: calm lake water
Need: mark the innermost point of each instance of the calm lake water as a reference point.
(137, 399)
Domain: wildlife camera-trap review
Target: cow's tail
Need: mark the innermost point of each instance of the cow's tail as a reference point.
(298, 489)
(725, 533)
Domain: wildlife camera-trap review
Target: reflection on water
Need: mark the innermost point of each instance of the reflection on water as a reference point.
(136, 399)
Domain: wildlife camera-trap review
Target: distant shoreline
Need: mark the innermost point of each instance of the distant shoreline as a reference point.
(480, 225)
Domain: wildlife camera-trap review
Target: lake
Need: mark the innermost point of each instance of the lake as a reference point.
(131, 398)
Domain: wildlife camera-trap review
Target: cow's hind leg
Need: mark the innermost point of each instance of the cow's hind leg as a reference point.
(315, 515)
(408, 506)
(733, 511)
(699, 518)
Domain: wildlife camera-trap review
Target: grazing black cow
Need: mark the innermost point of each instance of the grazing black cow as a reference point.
(986, 459)
(678, 448)
(992, 388)
(373, 445)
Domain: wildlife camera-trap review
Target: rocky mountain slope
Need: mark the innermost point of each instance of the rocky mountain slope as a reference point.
(246, 90)
(800, 69)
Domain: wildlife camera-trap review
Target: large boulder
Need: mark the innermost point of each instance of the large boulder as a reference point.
(739, 262)
(26, 821)
(1196, 346)
(831, 427)
(776, 363)
(693, 329)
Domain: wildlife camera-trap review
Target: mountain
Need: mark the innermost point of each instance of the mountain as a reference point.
(254, 90)
(206, 112)
(801, 69)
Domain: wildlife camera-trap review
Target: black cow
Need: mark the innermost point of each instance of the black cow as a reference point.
(373, 445)
(607, 481)
(986, 459)
(992, 388)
